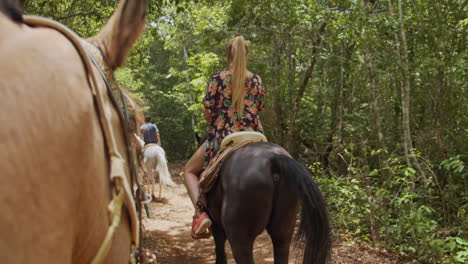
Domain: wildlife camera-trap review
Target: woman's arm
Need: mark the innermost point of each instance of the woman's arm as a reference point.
(159, 138)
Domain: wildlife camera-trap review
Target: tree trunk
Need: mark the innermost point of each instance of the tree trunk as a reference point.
(374, 92)
(340, 106)
(374, 103)
(187, 79)
(405, 101)
(405, 89)
(276, 95)
(302, 87)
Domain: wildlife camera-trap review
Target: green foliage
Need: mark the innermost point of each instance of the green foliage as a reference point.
(349, 123)
(401, 211)
(85, 17)
(460, 248)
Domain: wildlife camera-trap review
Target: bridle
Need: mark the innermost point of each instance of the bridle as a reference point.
(122, 188)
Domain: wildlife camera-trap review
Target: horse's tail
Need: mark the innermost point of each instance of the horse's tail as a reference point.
(163, 170)
(314, 228)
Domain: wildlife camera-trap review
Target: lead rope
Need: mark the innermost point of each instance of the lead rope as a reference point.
(122, 190)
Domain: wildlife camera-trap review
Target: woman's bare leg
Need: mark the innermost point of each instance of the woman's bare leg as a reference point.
(192, 173)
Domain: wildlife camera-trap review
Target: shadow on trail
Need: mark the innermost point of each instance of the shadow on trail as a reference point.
(180, 248)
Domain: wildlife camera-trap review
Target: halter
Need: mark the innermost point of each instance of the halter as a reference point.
(122, 191)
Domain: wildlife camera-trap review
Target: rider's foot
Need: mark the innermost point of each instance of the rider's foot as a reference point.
(200, 226)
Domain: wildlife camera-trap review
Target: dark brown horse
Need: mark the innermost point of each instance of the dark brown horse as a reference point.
(260, 187)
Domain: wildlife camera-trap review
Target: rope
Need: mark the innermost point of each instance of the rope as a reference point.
(115, 209)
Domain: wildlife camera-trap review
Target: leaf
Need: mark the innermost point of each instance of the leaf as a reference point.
(461, 241)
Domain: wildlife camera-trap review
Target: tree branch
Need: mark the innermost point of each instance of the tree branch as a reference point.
(302, 87)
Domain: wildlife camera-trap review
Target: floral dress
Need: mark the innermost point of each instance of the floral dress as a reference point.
(224, 119)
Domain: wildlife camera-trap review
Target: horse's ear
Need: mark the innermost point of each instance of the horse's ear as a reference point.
(121, 31)
(12, 9)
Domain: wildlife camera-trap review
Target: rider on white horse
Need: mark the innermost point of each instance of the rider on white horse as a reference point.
(154, 156)
(150, 132)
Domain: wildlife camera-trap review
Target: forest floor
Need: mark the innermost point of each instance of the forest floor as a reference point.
(167, 233)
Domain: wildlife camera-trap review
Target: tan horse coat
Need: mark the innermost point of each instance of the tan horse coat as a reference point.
(54, 184)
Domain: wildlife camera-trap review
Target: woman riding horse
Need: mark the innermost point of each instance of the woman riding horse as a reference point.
(259, 186)
(233, 100)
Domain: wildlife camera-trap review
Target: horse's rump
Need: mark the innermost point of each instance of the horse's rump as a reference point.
(155, 159)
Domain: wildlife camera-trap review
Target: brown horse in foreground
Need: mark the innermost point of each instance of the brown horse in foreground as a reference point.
(54, 164)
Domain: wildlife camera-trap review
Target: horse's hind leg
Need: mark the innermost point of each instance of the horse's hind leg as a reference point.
(149, 175)
(152, 182)
(244, 219)
(160, 188)
(282, 222)
(220, 242)
(242, 246)
(281, 236)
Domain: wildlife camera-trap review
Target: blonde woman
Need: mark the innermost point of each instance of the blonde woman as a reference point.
(233, 99)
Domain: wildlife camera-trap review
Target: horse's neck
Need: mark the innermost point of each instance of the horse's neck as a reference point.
(8, 29)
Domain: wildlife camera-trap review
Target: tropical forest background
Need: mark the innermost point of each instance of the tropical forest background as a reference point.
(371, 95)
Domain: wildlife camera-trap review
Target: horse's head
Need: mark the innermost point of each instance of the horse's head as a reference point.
(121, 32)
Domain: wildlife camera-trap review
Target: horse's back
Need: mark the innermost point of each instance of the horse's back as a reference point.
(248, 187)
(47, 116)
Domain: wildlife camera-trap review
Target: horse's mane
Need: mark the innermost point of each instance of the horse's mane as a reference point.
(139, 105)
(129, 95)
(13, 9)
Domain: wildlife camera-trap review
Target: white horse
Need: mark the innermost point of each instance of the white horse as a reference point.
(155, 162)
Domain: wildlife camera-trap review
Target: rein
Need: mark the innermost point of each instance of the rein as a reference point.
(122, 192)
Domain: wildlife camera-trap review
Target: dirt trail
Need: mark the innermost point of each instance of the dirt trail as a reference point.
(168, 233)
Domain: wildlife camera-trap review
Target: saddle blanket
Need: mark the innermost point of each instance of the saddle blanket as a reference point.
(230, 143)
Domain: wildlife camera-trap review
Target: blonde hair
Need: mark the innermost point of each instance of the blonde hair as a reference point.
(236, 53)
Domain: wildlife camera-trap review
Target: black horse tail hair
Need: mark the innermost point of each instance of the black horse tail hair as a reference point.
(314, 230)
